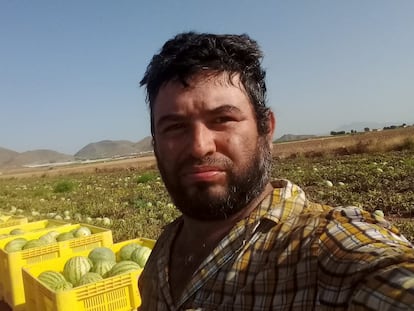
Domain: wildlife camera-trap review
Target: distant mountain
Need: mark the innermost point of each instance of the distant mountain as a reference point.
(144, 144)
(113, 148)
(34, 157)
(105, 149)
(10, 159)
(291, 137)
(6, 156)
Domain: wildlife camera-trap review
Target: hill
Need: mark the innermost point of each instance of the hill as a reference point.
(35, 157)
(6, 156)
(10, 159)
(113, 148)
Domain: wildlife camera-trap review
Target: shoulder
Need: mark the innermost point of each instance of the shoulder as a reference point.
(355, 234)
(363, 221)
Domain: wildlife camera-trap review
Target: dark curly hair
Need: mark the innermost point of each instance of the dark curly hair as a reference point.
(188, 53)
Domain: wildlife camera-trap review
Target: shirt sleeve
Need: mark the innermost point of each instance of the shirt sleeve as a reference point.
(390, 288)
(364, 264)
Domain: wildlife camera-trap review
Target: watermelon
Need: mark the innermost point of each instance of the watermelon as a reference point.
(65, 236)
(102, 267)
(34, 243)
(123, 267)
(82, 231)
(102, 253)
(126, 250)
(140, 255)
(50, 237)
(15, 245)
(61, 286)
(89, 277)
(75, 268)
(51, 278)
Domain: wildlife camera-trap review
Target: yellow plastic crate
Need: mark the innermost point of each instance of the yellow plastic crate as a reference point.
(34, 226)
(41, 227)
(11, 264)
(9, 221)
(117, 293)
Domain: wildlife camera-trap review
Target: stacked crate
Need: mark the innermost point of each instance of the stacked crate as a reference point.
(11, 263)
(115, 293)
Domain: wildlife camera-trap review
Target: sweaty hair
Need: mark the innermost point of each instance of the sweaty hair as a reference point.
(189, 53)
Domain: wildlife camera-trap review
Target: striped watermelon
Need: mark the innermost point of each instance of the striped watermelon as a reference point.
(102, 253)
(51, 278)
(126, 250)
(123, 267)
(15, 245)
(140, 255)
(34, 243)
(89, 277)
(82, 231)
(102, 266)
(62, 286)
(75, 268)
(50, 237)
(65, 236)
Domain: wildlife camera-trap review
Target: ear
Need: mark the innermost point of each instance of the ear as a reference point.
(271, 127)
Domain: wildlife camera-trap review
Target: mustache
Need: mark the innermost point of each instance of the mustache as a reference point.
(222, 163)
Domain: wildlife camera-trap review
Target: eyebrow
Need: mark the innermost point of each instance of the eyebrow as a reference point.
(178, 117)
(224, 109)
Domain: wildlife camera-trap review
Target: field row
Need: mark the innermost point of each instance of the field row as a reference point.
(134, 203)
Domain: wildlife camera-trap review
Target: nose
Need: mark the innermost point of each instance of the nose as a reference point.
(201, 141)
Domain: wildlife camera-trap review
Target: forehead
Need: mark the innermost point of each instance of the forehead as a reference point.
(202, 92)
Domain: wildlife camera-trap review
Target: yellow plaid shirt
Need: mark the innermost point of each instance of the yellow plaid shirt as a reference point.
(291, 254)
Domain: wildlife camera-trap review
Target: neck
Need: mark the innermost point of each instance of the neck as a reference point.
(210, 232)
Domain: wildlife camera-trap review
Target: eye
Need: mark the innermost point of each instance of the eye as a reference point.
(223, 119)
(172, 127)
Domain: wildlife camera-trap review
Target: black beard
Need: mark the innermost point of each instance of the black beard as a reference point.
(243, 187)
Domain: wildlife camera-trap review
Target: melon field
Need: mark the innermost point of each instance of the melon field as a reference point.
(133, 202)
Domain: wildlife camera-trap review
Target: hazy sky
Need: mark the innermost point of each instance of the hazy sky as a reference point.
(69, 70)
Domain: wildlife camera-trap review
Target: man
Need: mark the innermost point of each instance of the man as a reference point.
(245, 242)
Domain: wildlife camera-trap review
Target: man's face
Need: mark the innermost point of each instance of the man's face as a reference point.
(208, 150)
